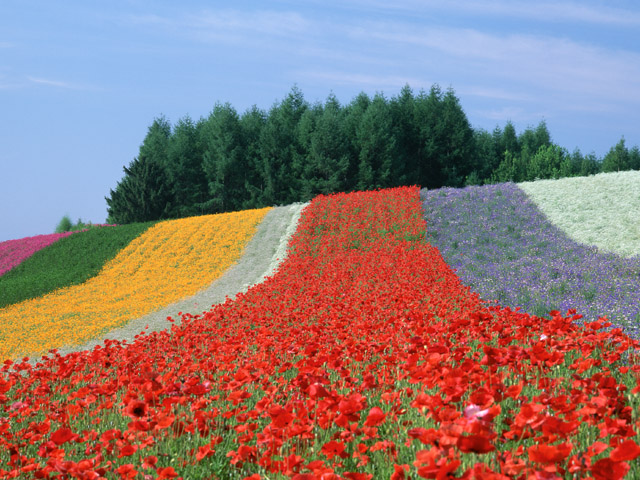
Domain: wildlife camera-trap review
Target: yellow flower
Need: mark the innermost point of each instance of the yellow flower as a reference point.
(172, 260)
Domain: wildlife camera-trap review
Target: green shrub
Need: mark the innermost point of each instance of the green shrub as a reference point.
(64, 225)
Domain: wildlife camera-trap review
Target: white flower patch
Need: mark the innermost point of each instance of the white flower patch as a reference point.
(601, 210)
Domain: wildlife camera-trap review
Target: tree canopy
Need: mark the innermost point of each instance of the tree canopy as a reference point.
(297, 150)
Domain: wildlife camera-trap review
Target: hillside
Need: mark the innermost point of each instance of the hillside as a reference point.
(364, 356)
(69, 260)
(504, 246)
(169, 261)
(600, 210)
(14, 252)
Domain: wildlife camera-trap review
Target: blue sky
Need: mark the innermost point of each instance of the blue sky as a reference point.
(81, 81)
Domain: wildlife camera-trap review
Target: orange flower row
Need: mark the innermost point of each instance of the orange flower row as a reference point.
(172, 260)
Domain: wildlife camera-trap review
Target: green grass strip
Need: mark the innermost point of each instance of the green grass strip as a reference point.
(69, 261)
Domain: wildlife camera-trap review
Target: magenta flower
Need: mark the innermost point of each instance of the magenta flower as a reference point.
(14, 252)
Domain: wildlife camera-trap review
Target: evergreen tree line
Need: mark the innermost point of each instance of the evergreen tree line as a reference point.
(297, 150)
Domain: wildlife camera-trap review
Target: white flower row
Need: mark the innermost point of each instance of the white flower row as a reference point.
(601, 210)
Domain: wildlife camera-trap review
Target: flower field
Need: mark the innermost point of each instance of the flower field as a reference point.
(363, 357)
(505, 248)
(71, 260)
(169, 261)
(600, 210)
(12, 252)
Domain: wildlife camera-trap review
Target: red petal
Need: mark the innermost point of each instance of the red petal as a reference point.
(549, 453)
(62, 435)
(627, 450)
(475, 444)
(376, 417)
(606, 469)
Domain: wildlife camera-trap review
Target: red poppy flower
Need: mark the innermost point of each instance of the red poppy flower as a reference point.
(399, 472)
(607, 469)
(549, 453)
(127, 451)
(475, 444)
(150, 462)
(166, 472)
(280, 417)
(62, 435)
(333, 448)
(357, 476)
(376, 417)
(627, 450)
(127, 471)
(137, 409)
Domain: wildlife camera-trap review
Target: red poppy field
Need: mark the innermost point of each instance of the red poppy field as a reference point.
(363, 357)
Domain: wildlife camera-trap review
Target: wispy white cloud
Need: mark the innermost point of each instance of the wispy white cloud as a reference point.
(262, 22)
(8, 81)
(366, 80)
(4, 85)
(146, 19)
(488, 64)
(51, 83)
(510, 113)
(495, 93)
(573, 12)
(58, 84)
(274, 31)
(229, 24)
(515, 114)
(546, 11)
(541, 62)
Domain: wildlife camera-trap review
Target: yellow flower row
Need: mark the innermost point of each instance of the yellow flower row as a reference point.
(172, 260)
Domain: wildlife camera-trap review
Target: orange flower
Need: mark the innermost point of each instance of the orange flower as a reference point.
(170, 261)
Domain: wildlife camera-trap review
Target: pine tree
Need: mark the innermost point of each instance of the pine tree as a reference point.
(617, 159)
(590, 165)
(278, 148)
(302, 168)
(486, 157)
(377, 146)
(533, 139)
(634, 158)
(446, 139)
(550, 161)
(405, 133)
(224, 160)
(251, 124)
(144, 193)
(456, 142)
(184, 166)
(510, 139)
(430, 134)
(353, 114)
(328, 158)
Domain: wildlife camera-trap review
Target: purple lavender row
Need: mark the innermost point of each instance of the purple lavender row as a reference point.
(504, 248)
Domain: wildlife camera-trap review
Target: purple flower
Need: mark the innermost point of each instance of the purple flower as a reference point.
(504, 248)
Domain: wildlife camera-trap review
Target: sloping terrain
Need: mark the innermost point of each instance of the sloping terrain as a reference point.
(601, 210)
(363, 357)
(507, 250)
(169, 261)
(13, 252)
(70, 260)
(260, 259)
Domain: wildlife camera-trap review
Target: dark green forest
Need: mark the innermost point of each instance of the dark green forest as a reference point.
(297, 150)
